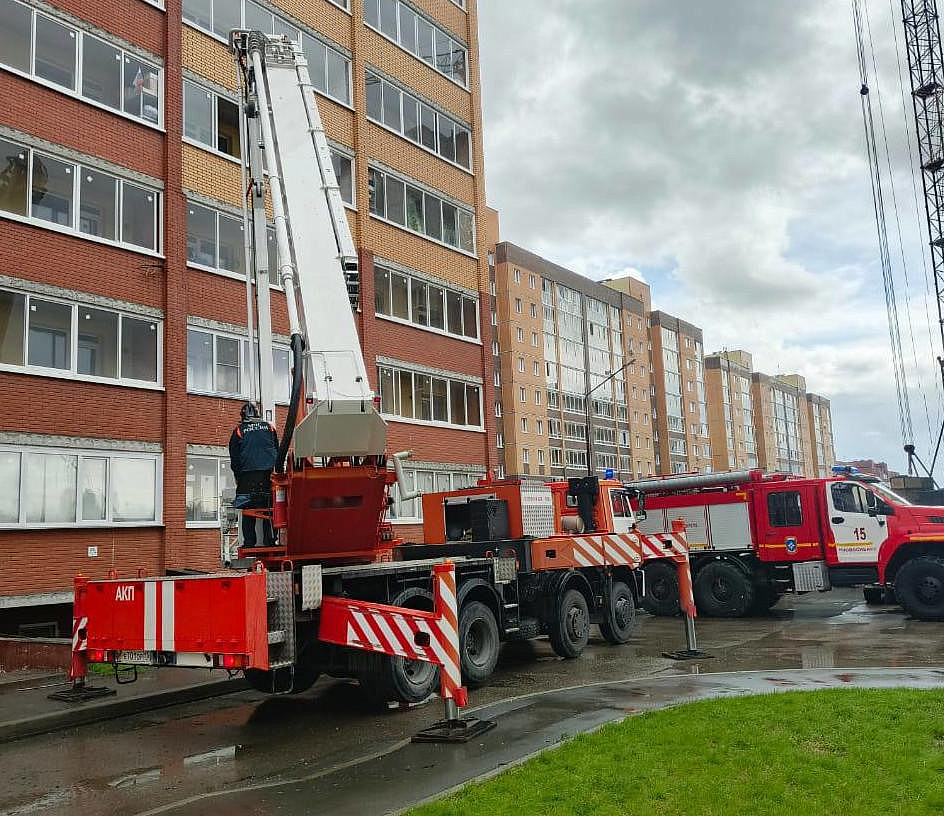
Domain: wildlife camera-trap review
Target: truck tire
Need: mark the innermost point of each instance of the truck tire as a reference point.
(722, 590)
(662, 589)
(569, 626)
(765, 599)
(479, 643)
(919, 586)
(619, 619)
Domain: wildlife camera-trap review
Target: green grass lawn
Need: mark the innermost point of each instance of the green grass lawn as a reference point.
(841, 752)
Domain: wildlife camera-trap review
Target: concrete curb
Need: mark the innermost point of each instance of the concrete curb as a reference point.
(115, 707)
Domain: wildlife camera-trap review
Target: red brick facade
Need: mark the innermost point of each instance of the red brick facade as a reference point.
(168, 418)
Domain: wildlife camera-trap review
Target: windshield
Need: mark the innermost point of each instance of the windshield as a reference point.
(888, 494)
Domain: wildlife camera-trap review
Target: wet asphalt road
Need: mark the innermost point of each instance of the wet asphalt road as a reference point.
(153, 760)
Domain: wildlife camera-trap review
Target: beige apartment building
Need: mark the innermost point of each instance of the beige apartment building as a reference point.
(679, 400)
(821, 431)
(571, 361)
(730, 410)
(782, 423)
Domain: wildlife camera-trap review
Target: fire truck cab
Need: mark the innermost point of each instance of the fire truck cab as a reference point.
(755, 536)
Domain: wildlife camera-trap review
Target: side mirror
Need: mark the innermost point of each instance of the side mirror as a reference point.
(640, 515)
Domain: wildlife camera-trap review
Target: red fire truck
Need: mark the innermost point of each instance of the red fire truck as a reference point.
(754, 537)
(339, 594)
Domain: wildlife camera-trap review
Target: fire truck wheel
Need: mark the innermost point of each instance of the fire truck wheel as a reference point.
(919, 586)
(722, 590)
(620, 618)
(479, 643)
(569, 627)
(662, 589)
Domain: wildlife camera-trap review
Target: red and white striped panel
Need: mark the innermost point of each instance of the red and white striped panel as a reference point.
(624, 549)
(79, 634)
(429, 636)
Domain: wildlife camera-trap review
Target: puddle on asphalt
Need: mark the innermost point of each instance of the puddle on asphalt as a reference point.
(214, 757)
(46, 801)
(139, 776)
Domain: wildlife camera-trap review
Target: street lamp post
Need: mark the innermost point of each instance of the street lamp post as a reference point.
(586, 401)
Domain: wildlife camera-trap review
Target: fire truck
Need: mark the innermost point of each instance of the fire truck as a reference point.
(755, 536)
(339, 594)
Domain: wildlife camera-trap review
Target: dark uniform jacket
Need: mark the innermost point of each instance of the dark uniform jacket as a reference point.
(253, 451)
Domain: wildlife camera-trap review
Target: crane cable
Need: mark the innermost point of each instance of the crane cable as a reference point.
(912, 166)
(878, 204)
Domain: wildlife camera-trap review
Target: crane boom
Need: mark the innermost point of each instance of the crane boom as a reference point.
(317, 260)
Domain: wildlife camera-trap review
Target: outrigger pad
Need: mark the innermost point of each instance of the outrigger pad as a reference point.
(461, 730)
(82, 694)
(687, 654)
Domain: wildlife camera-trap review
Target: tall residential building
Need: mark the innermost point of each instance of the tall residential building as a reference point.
(782, 423)
(560, 337)
(123, 347)
(730, 410)
(679, 400)
(821, 435)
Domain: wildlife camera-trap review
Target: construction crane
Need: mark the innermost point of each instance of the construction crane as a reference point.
(926, 69)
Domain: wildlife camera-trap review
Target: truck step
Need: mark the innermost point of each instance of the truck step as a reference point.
(276, 636)
(527, 628)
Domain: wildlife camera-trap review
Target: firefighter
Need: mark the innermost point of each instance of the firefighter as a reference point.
(253, 452)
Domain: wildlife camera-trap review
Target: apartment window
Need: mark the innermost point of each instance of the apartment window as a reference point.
(54, 53)
(421, 124)
(498, 409)
(397, 201)
(68, 487)
(215, 240)
(77, 199)
(210, 120)
(517, 305)
(522, 395)
(536, 368)
(534, 339)
(576, 458)
(540, 456)
(557, 457)
(414, 395)
(500, 440)
(540, 427)
(40, 335)
(534, 310)
(497, 379)
(519, 334)
(537, 397)
(524, 424)
(525, 456)
(218, 365)
(208, 477)
(398, 22)
(554, 428)
(423, 304)
(531, 282)
(428, 481)
(517, 276)
(521, 365)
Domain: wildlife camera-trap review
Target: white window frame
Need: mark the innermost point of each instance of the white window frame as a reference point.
(80, 36)
(417, 57)
(222, 463)
(72, 372)
(302, 30)
(73, 230)
(450, 378)
(214, 103)
(88, 453)
(426, 191)
(244, 348)
(438, 114)
(444, 332)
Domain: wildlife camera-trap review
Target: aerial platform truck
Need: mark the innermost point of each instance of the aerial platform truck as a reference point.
(755, 536)
(340, 594)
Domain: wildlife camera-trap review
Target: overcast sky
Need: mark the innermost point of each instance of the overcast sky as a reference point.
(715, 148)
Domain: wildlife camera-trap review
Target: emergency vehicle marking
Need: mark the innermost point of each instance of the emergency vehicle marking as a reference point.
(79, 644)
(124, 593)
(623, 549)
(159, 609)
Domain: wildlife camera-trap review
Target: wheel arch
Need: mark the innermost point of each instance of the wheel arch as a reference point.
(906, 552)
(697, 565)
(560, 582)
(476, 589)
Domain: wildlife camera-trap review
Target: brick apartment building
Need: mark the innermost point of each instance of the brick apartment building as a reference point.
(679, 402)
(730, 410)
(123, 349)
(558, 338)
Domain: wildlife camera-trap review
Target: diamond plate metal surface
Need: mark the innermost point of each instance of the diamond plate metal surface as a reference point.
(281, 618)
(311, 587)
(537, 509)
(505, 570)
(810, 576)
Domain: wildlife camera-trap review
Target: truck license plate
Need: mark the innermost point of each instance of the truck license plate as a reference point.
(135, 658)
